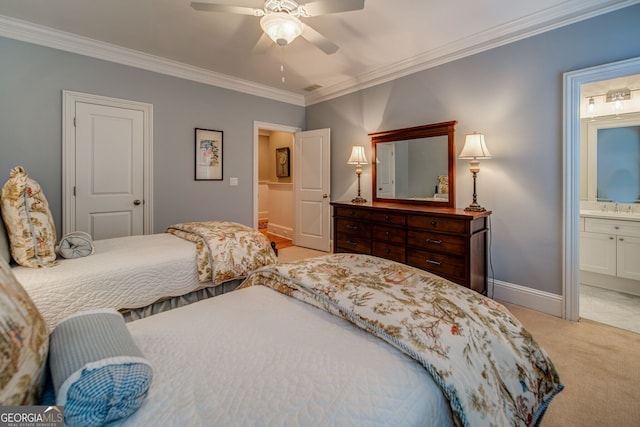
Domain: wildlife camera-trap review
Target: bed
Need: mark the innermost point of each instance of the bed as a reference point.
(139, 275)
(341, 339)
(145, 275)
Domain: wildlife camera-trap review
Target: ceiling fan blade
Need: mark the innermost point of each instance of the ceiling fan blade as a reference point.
(213, 7)
(263, 43)
(323, 43)
(324, 7)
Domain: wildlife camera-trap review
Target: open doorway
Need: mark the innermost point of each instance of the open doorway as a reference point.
(573, 224)
(609, 277)
(275, 186)
(301, 200)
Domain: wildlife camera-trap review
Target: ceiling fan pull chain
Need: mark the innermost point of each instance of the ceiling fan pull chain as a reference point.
(282, 62)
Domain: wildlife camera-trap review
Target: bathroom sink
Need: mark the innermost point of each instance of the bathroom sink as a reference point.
(611, 215)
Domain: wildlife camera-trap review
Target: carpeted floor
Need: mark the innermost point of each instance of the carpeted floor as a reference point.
(599, 366)
(294, 253)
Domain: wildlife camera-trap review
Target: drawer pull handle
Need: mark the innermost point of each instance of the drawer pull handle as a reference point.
(387, 251)
(437, 242)
(621, 239)
(352, 227)
(616, 227)
(433, 223)
(430, 261)
(610, 238)
(387, 217)
(349, 242)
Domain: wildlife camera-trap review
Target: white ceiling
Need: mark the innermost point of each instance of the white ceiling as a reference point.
(385, 40)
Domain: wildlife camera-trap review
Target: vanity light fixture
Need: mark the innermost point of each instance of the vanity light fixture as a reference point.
(591, 107)
(358, 158)
(474, 149)
(617, 96)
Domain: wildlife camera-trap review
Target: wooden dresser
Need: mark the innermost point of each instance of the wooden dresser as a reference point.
(449, 242)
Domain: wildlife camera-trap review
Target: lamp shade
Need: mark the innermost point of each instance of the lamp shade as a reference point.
(357, 156)
(281, 27)
(474, 147)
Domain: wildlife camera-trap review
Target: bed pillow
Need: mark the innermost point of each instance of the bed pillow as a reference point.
(4, 242)
(76, 244)
(24, 341)
(99, 374)
(28, 220)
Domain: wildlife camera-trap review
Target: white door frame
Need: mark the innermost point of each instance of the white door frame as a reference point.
(571, 176)
(256, 145)
(69, 100)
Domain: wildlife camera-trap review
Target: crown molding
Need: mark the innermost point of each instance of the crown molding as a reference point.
(32, 33)
(561, 15)
(549, 19)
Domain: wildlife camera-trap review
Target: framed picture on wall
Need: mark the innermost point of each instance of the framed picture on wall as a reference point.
(282, 162)
(208, 155)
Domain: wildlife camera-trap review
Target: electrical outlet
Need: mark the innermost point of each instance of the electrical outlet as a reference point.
(233, 181)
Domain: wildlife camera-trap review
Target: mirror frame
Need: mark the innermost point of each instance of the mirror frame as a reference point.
(424, 131)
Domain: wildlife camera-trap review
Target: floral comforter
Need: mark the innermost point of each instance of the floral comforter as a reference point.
(485, 362)
(225, 250)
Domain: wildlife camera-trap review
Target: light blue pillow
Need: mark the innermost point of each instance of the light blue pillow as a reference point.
(99, 374)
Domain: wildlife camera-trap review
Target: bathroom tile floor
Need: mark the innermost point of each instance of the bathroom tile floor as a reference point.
(610, 307)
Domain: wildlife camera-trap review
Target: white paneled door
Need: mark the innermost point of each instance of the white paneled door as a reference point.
(109, 169)
(311, 187)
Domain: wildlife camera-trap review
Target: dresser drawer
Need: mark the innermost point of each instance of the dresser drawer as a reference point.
(448, 225)
(351, 227)
(388, 251)
(388, 234)
(449, 265)
(389, 218)
(353, 213)
(354, 243)
(437, 242)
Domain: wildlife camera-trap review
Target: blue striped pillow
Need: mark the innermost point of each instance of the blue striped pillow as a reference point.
(99, 374)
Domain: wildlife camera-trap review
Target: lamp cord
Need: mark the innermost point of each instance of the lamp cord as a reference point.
(493, 278)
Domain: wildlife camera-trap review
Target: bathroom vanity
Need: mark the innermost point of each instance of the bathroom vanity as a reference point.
(610, 250)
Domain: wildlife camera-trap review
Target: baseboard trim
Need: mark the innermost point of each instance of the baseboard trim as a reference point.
(534, 299)
(280, 230)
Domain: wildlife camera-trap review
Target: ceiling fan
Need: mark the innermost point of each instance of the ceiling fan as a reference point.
(280, 19)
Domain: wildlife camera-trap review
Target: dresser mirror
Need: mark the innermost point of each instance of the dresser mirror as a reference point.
(415, 165)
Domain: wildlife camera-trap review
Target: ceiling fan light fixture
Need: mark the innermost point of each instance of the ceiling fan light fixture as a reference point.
(281, 27)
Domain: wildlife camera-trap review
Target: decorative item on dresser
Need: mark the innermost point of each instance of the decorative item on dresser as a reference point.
(474, 149)
(358, 158)
(449, 242)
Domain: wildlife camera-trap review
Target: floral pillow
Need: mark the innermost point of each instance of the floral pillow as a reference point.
(24, 343)
(29, 223)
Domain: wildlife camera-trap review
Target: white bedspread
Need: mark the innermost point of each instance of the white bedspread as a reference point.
(125, 272)
(255, 357)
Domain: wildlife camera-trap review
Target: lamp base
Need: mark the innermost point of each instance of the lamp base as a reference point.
(359, 199)
(474, 207)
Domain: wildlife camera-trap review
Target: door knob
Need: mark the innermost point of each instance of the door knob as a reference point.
(324, 196)
(136, 202)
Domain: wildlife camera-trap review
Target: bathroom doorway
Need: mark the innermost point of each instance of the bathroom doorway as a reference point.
(603, 296)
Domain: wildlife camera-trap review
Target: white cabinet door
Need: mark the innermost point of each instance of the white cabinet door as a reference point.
(598, 253)
(629, 257)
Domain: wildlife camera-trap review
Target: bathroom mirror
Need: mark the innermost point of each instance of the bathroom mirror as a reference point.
(415, 165)
(613, 159)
